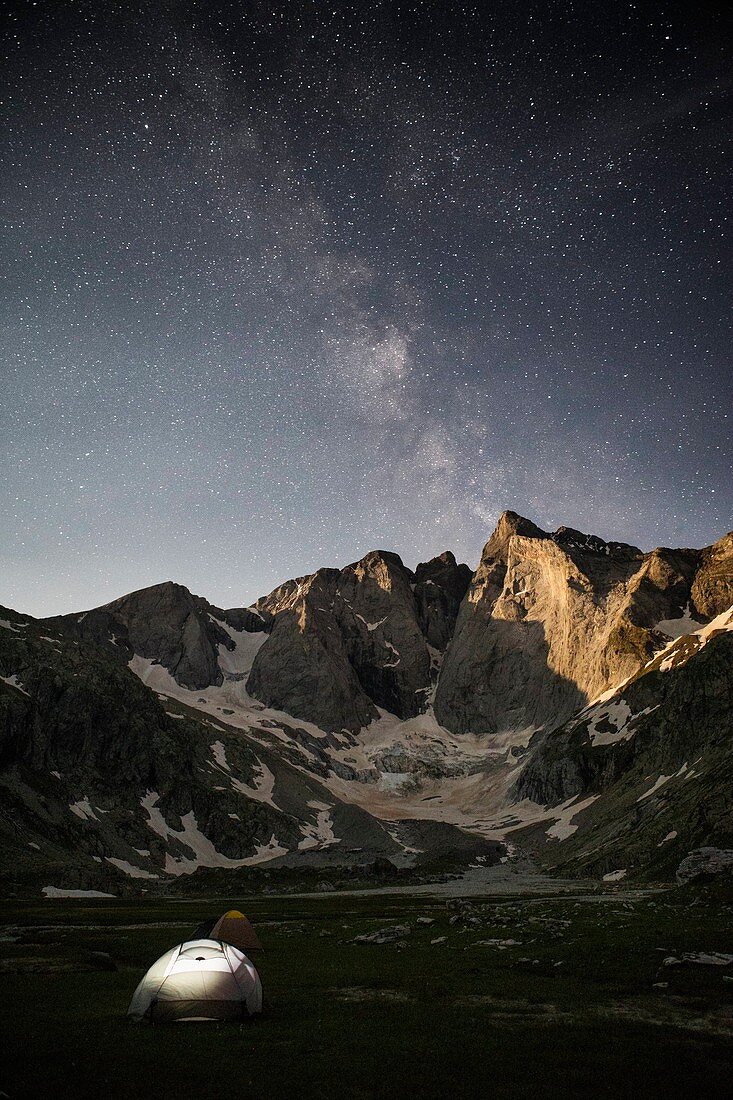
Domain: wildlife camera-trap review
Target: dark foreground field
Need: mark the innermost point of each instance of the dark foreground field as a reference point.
(571, 1009)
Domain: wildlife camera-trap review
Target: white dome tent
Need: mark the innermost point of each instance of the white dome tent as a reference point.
(201, 979)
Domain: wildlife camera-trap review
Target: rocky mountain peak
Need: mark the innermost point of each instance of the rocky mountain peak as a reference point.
(440, 585)
(570, 539)
(442, 565)
(547, 621)
(381, 566)
(553, 620)
(164, 623)
(509, 525)
(343, 642)
(439, 564)
(616, 660)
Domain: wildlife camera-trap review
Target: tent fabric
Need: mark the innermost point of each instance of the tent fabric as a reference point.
(202, 979)
(232, 927)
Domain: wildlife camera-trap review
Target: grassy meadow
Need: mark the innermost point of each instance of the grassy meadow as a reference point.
(578, 1004)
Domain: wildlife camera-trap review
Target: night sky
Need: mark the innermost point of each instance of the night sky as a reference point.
(285, 283)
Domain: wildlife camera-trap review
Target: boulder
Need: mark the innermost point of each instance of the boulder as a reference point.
(705, 862)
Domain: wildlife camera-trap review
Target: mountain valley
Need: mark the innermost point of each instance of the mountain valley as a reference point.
(570, 700)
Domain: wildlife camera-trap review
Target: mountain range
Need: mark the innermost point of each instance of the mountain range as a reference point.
(570, 698)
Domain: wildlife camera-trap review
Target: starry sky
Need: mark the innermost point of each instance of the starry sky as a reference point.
(283, 283)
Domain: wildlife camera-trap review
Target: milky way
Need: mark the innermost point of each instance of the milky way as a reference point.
(285, 283)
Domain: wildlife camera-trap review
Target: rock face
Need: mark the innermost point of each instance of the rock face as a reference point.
(652, 761)
(303, 667)
(678, 707)
(165, 623)
(440, 585)
(712, 591)
(344, 642)
(547, 622)
(551, 621)
(89, 758)
(341, 642)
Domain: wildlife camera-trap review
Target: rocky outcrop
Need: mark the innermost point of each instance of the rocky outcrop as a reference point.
(165, 623)
(649, 767)
(99, 774)
(101, 785)
(303, 667)
(440, 585)
(344, 642)
(704, 863)
(712, 591)
(551, 621)
(377, 613)
(547, 622)
(341, 642)
(668, 716)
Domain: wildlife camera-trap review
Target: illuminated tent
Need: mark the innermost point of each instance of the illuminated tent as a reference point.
(202, 979)
(234, 928)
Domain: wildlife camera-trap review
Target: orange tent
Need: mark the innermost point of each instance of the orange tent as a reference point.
(232, 928)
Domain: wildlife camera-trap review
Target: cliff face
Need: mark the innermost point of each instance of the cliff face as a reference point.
(547, 622)
(440, 585)
(712, 591)
(340, 643)
(303, 667)
(345, 642)
(651, 761)
(552, 620)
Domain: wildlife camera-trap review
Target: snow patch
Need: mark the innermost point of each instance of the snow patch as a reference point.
(678, 649)
(677, 628)
(616, 714)
(84, 810)
(129, 868)
(615, 876)
(264, 786)
(264, 780)
(320, 835)
(14, 682)
(563, 827)
(659, 783)
(58, 892)
(237, 663)
(669, 836)
(16, 628)
(220, 755)
(392, 829)
(204, 852)
(370, 626)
